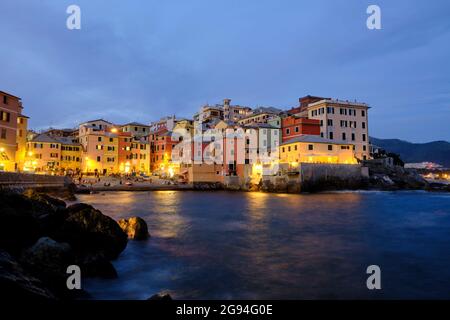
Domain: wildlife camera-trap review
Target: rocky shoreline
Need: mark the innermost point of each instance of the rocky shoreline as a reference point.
(380, 179)
(40, 237)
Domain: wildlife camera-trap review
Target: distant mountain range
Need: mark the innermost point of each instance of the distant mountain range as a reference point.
(436, 151)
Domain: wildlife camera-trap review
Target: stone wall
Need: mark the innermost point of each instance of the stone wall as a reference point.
(25, 180)
(315, 171)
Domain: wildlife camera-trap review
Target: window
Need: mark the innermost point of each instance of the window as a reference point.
(353, 137)
(5, 99)
(330, 110)
(321, 134)
(5, 116)
(330, 147)
(344, 136)
(363, 113)
(3, 134)
(282, 149)
(296, 128)
(330, 122)
(135, 128)
(99, 139)
(321, 123)
(110, 139)
(364, 137)
(363, 125)
(310, 147)
(288, 131)
(289, 149)
(331, 135)
(99, 159)
(364, 148)
(295, 147)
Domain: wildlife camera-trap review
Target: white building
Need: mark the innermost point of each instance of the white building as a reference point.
(343, 121)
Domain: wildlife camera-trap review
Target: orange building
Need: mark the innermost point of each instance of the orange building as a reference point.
(294, 126)
(125, 154)
(12, 132)
(161, 145)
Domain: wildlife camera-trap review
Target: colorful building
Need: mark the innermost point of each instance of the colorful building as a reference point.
(53, 155)
(136, 129)
(314, 149)
(99, 139)
(295, 126)
(343, 121)
(13, 128)
(161, 145)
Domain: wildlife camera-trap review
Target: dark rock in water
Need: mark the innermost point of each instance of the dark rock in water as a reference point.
(87, 230)
(45, 200)
(16, 283)
(97, 265)
(19, 228)
(161, 297)
(48, 259)
(135, 228)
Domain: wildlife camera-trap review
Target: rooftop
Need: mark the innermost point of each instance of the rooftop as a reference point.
(136, 124)
(342, 102)
(313, 139)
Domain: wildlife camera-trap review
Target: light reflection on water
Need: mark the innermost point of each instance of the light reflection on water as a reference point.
(219, 245)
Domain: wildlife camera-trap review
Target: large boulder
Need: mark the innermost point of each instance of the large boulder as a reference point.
(19, 228)
(45, 200)
(87, 230)
(17, 284)
(135, 228)
(96, 265)
(48, 259)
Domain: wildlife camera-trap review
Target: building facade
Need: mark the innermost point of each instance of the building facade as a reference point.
(295, 126)
(343, 121)
(314, 149)
(13, 130)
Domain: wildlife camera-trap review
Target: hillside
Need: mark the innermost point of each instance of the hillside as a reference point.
(436, 151)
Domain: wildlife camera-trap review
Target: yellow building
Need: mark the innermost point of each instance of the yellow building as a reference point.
(71, 155)
(21, 140)
(100, 143)
(43, 155)
(314, 149)
(50, 155)
(140, 156)
(12, 122)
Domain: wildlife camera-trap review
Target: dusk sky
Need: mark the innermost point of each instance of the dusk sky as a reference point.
(141, 60)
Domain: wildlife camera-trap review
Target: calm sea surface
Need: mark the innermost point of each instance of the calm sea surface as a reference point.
(221, 245)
